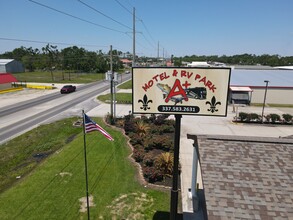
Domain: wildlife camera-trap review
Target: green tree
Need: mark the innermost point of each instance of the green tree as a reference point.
(52, 57)
(30, 58)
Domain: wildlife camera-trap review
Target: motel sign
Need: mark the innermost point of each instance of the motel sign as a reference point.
(177, 90)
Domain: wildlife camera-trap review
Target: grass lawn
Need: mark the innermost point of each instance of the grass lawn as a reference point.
(273, 105)
(121, 98)
(59, 77)
(126, 85)
(55, 186)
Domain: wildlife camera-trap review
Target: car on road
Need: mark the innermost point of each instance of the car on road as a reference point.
(67, 89)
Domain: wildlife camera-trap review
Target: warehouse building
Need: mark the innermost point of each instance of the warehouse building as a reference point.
(11, 66)
(249, 86)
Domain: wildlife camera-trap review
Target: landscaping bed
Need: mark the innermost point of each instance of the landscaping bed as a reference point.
(152, 141)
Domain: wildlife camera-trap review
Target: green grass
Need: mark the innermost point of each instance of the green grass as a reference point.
(121, 98)
(59, 77)
(20, 155)
(53, 189)
(273, 105)
(126, 85)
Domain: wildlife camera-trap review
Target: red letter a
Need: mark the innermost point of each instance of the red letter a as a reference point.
(180, 91)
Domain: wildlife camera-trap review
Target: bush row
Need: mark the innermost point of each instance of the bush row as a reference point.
(270, 118)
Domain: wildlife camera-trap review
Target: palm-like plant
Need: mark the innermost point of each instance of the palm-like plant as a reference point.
(164, 162)
(142, 128)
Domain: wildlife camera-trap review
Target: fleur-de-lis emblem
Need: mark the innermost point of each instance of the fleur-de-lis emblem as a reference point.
(145, 102)
(213, 105)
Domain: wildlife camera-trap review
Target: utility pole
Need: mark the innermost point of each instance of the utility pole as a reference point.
(111, 84)
(158, 50)
(264, 101)
(133, 40)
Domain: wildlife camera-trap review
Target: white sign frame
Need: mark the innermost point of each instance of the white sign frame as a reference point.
(180, 90)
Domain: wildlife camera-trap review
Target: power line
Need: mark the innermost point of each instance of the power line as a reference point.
(126, 9)
(148, 41)
(147, 30)
(139, 19)
(46, 42)
(73, 16)
(104, 14)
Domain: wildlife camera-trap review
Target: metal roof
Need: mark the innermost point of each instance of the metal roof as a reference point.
(5, 61)
(278, 78)
(240, 89)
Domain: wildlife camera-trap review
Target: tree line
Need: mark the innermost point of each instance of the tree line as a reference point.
(78, 59)
(243, 59)
(68, 59)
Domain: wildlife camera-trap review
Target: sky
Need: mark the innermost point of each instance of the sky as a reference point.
(162, 27)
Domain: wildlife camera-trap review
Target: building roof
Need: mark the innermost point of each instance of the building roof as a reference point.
(240, 89)
(246, 177)
(277, 78)
(5, 61)
(7, 78)
(125, 61)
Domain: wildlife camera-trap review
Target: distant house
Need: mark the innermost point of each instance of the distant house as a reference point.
(11, 66)
(5, 80)
(126, 62)
(198, 64)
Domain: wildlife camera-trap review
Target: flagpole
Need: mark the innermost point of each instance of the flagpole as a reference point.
(85, 163)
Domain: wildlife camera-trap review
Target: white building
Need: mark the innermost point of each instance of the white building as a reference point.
(248, 86)
(11, 66)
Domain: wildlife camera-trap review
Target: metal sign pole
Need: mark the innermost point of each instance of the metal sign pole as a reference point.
(174, 190)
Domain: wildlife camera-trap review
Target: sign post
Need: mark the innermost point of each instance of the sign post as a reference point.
(174, 190)
(180, 91)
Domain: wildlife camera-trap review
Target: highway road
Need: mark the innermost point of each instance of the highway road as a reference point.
(18, 118)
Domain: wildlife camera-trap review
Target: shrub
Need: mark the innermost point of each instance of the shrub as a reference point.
(148, 160)
(135, 139)
(119, 122)
(162, 142)
(165, 128)
(129, 126)
(253, 117)
(287, 118)
(274, 117)
(243, 116)
(151, 174)
(142, 128)
(159, 119)
(138, 155)
(164, 162)
(108, 118)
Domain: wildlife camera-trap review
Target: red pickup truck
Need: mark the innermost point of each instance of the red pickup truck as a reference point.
(68, 89)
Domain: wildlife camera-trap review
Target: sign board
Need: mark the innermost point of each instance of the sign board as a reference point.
(177, 90)
(108, 75)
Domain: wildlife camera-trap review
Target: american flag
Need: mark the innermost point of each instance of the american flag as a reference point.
(90, 125)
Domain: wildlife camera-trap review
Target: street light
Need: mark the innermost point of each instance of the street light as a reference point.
(264, 100)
